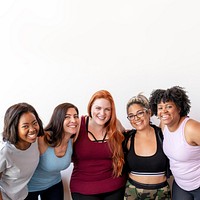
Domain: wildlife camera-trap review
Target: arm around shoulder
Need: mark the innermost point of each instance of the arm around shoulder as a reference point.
(78, 129)
(120, 127)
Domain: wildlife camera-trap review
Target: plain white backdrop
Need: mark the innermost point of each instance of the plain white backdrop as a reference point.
(55, 51)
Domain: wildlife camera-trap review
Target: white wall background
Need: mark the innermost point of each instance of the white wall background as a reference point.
(53, 51)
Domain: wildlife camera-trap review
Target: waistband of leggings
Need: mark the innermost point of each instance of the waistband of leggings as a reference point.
(148, 186)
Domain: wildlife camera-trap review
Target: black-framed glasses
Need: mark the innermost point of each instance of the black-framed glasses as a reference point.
(139, 114)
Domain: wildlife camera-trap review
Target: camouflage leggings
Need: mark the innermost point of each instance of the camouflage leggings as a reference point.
(134, 193)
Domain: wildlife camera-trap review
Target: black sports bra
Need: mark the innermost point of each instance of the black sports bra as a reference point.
(147, 165)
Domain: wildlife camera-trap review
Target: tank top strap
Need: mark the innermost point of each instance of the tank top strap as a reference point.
(132, 146)
(184, 121)
(83, 127)
(182, 126)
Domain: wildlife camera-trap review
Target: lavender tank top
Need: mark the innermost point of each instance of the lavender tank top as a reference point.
(184, 158)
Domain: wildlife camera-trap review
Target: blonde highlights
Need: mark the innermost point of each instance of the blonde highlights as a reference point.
(139, 99)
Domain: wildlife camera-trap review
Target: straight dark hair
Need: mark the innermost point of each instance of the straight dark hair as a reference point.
(55, 125)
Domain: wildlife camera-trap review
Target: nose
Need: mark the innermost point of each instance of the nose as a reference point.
(72, 119)
(164, 109)
(102, 111)
(31, 129)
(135, 117)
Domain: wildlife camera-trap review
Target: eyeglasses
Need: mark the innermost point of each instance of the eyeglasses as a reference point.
(139, 114)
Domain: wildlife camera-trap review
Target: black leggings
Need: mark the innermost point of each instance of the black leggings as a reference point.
(180, 194)
(115, 195)
(55, 192)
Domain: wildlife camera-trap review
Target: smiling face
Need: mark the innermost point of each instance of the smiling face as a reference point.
(101, 111)
(28, 129)
(168, 113)
(138, 116)
(71, 122)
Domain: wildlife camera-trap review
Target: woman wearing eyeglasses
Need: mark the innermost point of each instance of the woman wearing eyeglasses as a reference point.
(145, 161)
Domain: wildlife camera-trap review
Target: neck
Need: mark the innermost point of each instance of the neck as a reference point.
(22, 146)
(176, 125)
(147, 131)
(66, 138)
(92, 126)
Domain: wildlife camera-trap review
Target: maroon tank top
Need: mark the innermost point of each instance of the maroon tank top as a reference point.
(92, 173)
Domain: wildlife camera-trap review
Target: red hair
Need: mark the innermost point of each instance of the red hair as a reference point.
(114, 134)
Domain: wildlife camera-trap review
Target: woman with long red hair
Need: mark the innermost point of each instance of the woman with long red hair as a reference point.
(98, 156)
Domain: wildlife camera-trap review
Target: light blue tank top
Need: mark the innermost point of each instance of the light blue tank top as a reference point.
(48, 170)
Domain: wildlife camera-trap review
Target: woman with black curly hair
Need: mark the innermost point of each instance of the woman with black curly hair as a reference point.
(181, 140)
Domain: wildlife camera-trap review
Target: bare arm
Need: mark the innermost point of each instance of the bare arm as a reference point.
(192, 132)
(161, 125)
(77, 133)
(120, 126)
(42, 145)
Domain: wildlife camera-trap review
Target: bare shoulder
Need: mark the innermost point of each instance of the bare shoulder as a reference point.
(40, 140)
(192, 132)
(78, 129)
(161, 125)
(42, 144)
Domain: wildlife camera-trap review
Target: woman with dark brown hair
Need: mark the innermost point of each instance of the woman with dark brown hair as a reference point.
(19, 154)
(55, 153)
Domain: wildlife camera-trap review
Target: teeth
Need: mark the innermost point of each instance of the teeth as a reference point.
(32, 136)
(102, 118)
(72, 126)
(164, 117)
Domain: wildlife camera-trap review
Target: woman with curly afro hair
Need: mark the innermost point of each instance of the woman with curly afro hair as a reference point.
(181, 140)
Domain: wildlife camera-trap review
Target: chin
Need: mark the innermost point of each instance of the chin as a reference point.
(32, 141)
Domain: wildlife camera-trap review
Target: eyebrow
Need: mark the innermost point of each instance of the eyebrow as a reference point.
(35, 120)
(137, 111)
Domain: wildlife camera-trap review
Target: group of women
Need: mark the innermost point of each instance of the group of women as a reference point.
(109, 162)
